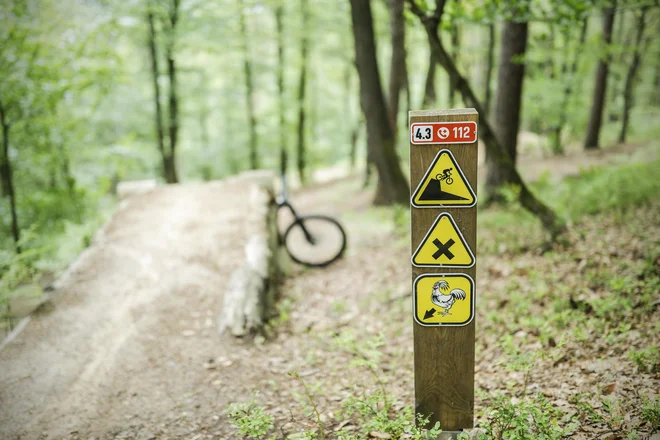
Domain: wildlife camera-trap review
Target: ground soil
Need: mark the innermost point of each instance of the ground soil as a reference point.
(129, 348)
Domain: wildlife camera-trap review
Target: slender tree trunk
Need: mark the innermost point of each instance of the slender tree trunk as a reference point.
(430, 94)
(551, 222)
(300, 158)
(65, 169)
(508, 100)
(616, 62)
(392, 186)
(4, 190)
(596, 117)
(398, 62)
(173, 98)
(234, 165)
(249, 95)
(8, 178)
(655, 95)
(355, 136)
(550, 58)
(349, 118)
(406, 86)
(490, 62)
(155, 71)
(204, 137)
(508, 103)
(279, 21)
(557, 146)
(455, 49)
(632, 73)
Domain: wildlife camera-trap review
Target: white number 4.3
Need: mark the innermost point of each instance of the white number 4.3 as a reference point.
(424, 133)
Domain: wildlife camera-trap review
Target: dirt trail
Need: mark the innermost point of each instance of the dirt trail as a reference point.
(131, 319)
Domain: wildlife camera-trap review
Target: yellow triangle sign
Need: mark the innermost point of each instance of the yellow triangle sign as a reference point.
(443, 246)
(444, 185)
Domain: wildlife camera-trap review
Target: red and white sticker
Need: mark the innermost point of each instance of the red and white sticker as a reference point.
(443, 133)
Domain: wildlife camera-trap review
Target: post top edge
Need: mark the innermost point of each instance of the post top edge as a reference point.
(442, 112)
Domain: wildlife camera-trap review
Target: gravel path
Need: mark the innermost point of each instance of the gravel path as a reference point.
(133, 322)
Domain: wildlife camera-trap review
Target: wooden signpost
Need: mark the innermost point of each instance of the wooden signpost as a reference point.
(443, 174)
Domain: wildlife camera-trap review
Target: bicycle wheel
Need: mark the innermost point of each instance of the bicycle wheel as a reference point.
(315, 240)
(450, 180)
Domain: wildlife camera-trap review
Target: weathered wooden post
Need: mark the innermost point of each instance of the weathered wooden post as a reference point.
(443, 174)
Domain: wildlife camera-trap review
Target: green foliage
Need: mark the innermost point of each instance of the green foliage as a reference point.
(524, 420)
(250, 419)
(372, 416)
(366, 353)
(310, 398)
(609, 410)
(605, 188)
(651, 413)
(647, 360)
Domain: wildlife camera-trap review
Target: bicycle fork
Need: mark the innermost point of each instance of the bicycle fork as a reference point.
(308, 236)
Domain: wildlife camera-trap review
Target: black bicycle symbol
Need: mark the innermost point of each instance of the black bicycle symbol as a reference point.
(446, 176)
(312, 240)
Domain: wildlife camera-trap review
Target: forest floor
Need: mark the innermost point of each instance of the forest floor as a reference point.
(130, 349)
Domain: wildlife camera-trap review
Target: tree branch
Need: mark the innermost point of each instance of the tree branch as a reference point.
(551, 222)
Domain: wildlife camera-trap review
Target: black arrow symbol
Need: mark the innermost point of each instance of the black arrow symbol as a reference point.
(429, 314)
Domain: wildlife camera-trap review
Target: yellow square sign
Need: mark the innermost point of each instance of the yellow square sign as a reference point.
(443, 300)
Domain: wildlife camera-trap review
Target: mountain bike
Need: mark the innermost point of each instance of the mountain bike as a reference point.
(313, 240)
(446, 176)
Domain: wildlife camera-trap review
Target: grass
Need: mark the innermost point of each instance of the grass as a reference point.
(602, 189)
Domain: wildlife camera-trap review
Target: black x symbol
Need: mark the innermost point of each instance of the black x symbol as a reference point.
(443, 248)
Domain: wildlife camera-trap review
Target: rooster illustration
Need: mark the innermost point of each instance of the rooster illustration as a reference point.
(445, 301)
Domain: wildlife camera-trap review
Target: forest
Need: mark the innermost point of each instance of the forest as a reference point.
(94, 93)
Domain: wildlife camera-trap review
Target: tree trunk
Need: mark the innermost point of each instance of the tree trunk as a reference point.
(8, 178)
(455, 45)
(350, 121)
(429, 86)
(596, 117)
(279, 17)
(632, 73)
(406, 86)
(550, 57)
(510, 77)
(508, 102)
(173, 98)
(249, 95)
(551, 222)
(300, 158)
(204, 137)
(557, 146)
(4, 191)
(155, 70)
(655, 95)
(355, 135)
(490, 62)
(616, 62)
(392, 186)
(398, 61)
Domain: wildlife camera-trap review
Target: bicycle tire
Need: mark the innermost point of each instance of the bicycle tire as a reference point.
(329, 222)
(450, 180)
